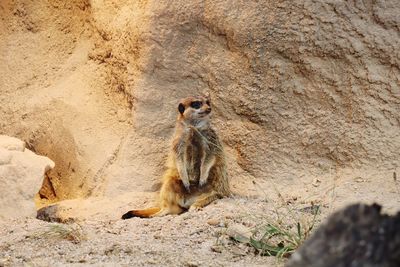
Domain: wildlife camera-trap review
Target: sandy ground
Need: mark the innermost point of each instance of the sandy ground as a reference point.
(191, 239)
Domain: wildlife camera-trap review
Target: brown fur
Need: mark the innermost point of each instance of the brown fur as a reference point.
(196, 173)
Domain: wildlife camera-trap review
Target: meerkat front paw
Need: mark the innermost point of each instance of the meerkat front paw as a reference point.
(202, 181)
(186, 184)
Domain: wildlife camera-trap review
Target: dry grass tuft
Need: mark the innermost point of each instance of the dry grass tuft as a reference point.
(280, 239)
(73, 233)
(279, 234)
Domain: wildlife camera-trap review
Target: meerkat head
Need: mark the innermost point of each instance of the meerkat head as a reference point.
(195, 110)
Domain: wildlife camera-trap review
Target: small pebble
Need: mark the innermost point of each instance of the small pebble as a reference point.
(239, 232)
(316, 182)
(359, 180)
(217, 249)
(229, 216)
(213, 222)
(191, 264)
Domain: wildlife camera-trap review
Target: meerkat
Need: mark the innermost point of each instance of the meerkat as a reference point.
(196, 169)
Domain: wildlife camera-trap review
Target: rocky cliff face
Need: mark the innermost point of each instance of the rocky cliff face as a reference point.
(300, 89)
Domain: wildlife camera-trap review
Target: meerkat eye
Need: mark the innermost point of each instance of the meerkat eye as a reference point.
(181, 108)
(196, 104)
(208, 102)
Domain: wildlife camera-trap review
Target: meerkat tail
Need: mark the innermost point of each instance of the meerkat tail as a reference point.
(146, 213)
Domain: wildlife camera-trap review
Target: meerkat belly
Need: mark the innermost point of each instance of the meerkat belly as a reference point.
(194, 156)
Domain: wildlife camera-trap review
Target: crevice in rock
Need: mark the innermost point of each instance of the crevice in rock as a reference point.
(62, 182)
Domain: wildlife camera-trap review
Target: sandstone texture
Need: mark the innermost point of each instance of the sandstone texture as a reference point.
(21, 176)
(301, 89)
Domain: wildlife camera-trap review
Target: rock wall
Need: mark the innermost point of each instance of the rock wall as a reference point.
(299, 88)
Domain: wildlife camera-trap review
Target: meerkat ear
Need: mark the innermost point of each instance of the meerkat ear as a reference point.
(207, 95)
(181, 108)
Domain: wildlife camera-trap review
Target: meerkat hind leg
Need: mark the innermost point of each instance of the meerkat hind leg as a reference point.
(171, 195)
(204, 200)
(173, 209)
